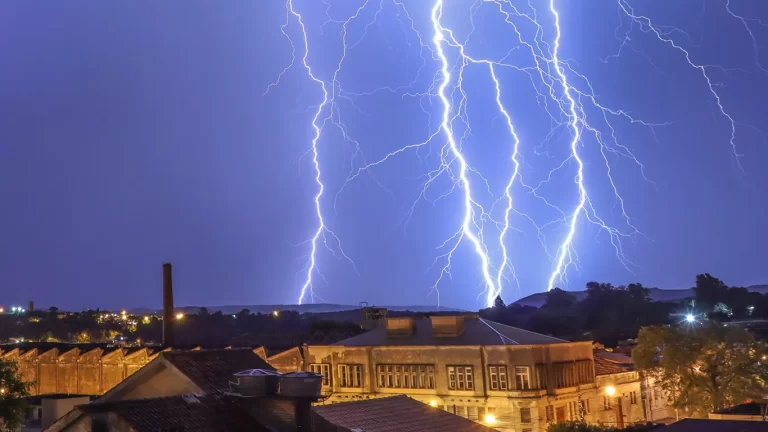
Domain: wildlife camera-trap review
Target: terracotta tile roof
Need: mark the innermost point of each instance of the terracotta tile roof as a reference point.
(395, 414)
(606, 367)
(212, 370)
(208, 413)
(706, 425)
(477, 331)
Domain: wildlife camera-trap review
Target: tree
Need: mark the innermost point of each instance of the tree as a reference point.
(499, 303)
(705, 368)
(558, 299)
(13, 392)
(709, 292)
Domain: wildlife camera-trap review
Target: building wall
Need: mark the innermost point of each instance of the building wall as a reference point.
(75, 372)
(510, 407)
(165, 382)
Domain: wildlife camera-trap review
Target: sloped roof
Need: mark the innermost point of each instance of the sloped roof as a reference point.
(395, 414)
(477, 331)
(212, 370)
(186, 412)
(706, 425)
(606, 367)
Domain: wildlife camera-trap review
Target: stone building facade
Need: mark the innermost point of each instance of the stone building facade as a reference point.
(74, 371)
(508, 378)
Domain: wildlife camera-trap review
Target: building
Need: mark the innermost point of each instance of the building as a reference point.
(505, 377)
(749, 411)
(394, 414)
(655, 400)
(198, 391)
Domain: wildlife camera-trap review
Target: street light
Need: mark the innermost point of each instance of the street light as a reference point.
(179, 316)
(610, 390)
(490, 419)
(690, 318)
(433, 403)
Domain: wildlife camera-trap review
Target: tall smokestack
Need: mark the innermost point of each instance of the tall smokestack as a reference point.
(168, 317)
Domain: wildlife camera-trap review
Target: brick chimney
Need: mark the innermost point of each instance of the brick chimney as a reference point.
(168, 339)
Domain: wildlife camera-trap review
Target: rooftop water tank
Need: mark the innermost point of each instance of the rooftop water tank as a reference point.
(257, 382)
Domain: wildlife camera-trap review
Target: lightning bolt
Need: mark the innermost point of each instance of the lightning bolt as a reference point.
(323, 232)
(567, 98)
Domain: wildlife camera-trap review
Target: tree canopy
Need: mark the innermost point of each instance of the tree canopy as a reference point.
(13, 392)
(704, 367)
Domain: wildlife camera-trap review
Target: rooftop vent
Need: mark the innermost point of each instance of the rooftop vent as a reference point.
(447, 326)
(401, 326)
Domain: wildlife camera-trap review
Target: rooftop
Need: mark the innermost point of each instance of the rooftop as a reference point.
(211, 370)
(394, 414)
(704, 425)
(475, 331)
(604, 366)
(752, 408)
(214, 413)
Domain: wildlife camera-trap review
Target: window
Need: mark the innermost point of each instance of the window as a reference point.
(573, 410)
(550, 412)
(323, 369)
(405, 376)
(498, 376)
(460, 378)
(350, 375)
(523, 377)
(525, 415)
(633, 398)
(607, 403)
(585, 405)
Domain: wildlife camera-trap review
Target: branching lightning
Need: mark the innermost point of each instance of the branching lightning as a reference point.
(579, 124)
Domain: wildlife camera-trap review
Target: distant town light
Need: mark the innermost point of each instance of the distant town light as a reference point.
(490, 419)
(610, 390)
(179, 315)
(2, 391)
(145, 319)
(690, 318)
(275, 313)
(2, 310)
(433, 403)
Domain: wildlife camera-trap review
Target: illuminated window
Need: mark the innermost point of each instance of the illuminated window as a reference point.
(350, 375)
(460, 378)
(323, 369)
(406, 376)
(633, 398)
(523, 377)
(498, 376)
(549, 410)
(607, 402)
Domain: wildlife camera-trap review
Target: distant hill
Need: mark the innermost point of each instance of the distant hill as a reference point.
(314, 308)
(657, 294)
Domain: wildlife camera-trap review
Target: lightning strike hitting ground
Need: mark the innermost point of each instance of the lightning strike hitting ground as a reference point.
(580, 124)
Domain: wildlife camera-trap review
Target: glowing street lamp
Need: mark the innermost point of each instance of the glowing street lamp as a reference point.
(179, 316)
(690, 318)
(490, 419)
(275, 313)
(610, 390)
(433, 403)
